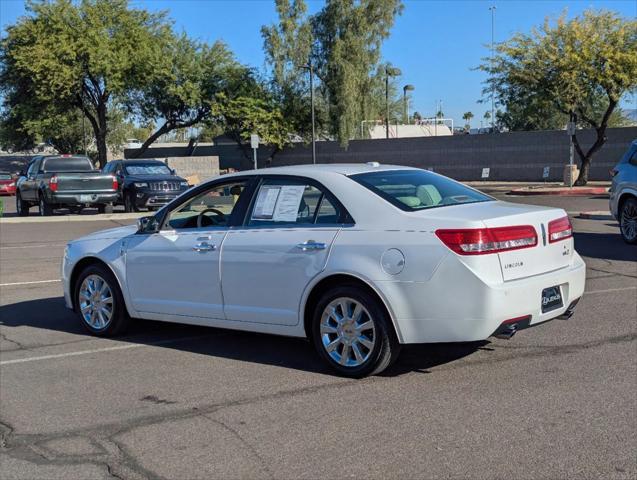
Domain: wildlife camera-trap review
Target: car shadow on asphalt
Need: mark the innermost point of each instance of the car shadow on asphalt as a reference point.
(605, 246)
(287, 352)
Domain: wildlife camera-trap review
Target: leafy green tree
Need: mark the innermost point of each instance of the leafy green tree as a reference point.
(342, 42)
(90, 55)
(580, 68)
(185, 94)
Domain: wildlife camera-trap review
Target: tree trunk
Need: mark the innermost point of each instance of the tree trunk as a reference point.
(150, 140)
(100, 135)
(582, 179)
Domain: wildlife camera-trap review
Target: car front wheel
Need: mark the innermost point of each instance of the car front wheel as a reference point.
(99, 302)
(353, 333)
(21, 207)
(628, 221)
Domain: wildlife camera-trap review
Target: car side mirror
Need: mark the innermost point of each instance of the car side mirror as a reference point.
(22, 173)
(147, 225)
(172, 172)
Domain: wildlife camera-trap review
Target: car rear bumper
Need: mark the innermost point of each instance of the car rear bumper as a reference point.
(87, 198)
(457, 306)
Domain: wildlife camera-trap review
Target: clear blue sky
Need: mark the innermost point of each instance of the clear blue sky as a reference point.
(434, 43)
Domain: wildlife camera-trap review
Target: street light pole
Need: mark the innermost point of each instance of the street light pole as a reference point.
(492, 9)
(394, 72)
(312, 107)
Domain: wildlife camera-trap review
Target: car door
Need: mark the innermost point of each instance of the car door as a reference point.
(267, 263)
(28, 188)
(175, 271)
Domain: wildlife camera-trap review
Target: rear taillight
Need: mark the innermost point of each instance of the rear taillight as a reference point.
(560, 229)
(53, 183)
(115, 184)
(480, 241)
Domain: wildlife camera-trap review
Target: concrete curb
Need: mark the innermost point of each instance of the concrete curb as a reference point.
(105, 217)
(601, 215)
(561, 191)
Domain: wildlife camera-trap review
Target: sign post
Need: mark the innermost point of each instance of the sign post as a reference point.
(254, 143)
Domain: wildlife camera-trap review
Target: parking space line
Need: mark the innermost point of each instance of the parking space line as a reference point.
(42, 245)
(28, 283)
(609, 290)
(100, 350)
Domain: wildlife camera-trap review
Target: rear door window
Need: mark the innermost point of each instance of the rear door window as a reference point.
(291, 202)
(413, 190)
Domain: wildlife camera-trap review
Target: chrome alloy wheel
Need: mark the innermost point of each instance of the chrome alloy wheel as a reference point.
(347, 332)
(96, 302)
(628, 221)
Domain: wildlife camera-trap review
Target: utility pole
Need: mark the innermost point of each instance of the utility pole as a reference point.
(394, 72)
(310, 68)
(492, 9)
(407, 88)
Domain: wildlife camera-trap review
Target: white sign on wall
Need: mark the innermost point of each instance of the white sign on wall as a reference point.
(485, 172)
(546, 172)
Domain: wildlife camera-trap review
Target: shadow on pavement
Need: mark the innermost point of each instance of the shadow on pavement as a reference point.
(606, 246)
(296, 353)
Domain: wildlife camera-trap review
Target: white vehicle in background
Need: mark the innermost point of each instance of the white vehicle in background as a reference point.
(357, 258)
(623, 194)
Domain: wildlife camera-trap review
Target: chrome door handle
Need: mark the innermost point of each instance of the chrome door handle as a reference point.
(311, 245)
(204, 247)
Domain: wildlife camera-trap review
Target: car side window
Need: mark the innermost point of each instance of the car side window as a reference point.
(213, 207)
(108, 168)
(289, 203)
(633, 159)
(33, 168)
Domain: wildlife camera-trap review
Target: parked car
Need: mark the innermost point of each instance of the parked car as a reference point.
(64, 181)
(623, 194)
(145, 183)
(360, 259)
(7, 183)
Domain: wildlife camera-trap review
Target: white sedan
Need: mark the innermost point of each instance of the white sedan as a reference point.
(359, 259)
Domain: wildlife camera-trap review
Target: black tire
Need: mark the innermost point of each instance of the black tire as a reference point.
(120, 320)
(45, 208)
(385, 349)
(129, 203)
(628, 220)
(105, 208)
(21, 207)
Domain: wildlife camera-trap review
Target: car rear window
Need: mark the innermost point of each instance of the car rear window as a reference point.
(413, 190)
(67, 164)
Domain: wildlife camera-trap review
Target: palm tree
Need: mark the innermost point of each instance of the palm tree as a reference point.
(467, 118)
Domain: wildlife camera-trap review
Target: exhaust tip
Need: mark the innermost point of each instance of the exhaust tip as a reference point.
(507, 332)
(569, 311)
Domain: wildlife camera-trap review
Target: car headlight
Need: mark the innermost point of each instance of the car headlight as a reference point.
(140, 184)
(184, 184)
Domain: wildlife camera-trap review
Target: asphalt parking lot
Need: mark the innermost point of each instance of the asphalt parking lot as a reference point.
(171, 401)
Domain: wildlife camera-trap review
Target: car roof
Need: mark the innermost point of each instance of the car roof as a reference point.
(346, 169)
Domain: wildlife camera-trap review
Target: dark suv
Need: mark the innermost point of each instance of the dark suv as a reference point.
(145, 183)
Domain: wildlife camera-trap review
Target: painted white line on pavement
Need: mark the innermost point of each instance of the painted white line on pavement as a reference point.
(43, 245)
(609, 290)
(100, 350)
(28, 283)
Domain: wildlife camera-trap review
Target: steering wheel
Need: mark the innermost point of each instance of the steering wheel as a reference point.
(200, 217)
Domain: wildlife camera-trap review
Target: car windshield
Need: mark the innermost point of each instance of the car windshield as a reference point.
(5, 176)
(412, 190)
(148, 169)
(67, 164)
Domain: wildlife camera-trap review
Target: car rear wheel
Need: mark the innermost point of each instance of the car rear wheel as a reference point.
(105, 208)
(352, 332)
(628, 221)
(99, 302)
(45, 209)
(21, 206)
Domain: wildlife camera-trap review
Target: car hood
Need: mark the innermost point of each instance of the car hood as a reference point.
(109, 234)
(154, 178)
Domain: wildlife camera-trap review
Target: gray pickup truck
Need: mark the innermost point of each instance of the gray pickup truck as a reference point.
(64, 181)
